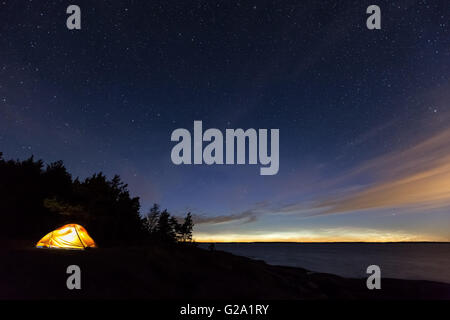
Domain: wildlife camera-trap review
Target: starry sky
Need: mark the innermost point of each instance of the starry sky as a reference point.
(363, 114)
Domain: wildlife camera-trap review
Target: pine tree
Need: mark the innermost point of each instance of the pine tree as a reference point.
(186, 228)
(164, 228)
(151, 220)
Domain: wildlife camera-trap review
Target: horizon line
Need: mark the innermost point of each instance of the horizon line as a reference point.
(312, 242)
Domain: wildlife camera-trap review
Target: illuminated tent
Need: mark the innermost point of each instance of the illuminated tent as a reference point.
(69, 236)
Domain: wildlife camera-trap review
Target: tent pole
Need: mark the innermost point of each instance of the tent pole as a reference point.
(84, 247)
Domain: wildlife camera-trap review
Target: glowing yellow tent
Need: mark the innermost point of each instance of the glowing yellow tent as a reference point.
(69, 236)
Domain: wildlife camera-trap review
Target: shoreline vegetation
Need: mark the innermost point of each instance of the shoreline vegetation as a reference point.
(151, 257)
(36, 199)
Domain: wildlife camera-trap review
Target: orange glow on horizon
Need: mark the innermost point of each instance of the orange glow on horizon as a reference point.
(312, 238)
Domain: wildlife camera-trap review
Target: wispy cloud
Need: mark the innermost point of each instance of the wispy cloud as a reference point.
(246, 216)
(415, 177)
(419, 175)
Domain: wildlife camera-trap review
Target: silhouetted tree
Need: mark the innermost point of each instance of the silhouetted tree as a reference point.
(151, 220)
(112, 214)
(165, 228)
(176, 227)
(57, 181)
(34, 200)
(162, 226)
(22, 190)
(186, 228)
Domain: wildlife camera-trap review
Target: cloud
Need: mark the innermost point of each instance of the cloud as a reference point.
(247, 216)
(419, 175)
(244, 217)
(416, 177)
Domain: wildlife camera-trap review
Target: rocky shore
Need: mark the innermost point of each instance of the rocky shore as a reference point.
(182, 273)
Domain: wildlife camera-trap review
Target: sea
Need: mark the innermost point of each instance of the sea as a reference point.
(405, 260)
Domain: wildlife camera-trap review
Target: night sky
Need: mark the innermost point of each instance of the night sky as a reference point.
(363, 114)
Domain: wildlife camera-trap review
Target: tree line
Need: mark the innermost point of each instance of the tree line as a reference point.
(37, 198)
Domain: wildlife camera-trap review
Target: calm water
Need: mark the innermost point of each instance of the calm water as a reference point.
(421, 261)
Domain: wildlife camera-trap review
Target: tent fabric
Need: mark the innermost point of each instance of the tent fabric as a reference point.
(69, 236)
